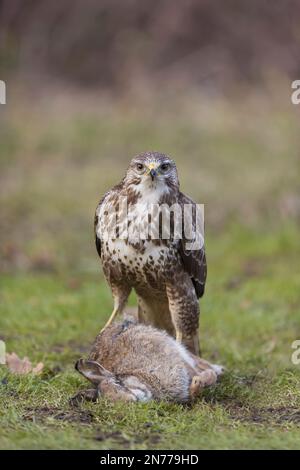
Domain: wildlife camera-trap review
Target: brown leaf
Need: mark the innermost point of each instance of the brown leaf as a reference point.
(22, 366)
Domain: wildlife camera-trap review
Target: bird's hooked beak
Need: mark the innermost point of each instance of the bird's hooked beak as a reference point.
(153, 173)
(152, 170)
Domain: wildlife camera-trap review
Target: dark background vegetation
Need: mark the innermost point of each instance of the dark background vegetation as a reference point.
(90, 83)
(113, 43)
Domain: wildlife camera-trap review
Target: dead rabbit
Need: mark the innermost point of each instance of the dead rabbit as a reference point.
(135, 362)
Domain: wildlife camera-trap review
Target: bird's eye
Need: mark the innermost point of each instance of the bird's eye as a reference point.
(139, 166)
(165, 166)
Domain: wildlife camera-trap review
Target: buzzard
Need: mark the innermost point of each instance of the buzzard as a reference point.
(167, 274)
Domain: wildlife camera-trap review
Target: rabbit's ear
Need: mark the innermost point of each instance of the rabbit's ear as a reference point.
(92, 370)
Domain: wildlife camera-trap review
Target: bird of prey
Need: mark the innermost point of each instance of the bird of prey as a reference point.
(167, 275)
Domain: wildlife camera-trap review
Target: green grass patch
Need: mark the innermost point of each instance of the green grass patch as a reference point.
(249, 318)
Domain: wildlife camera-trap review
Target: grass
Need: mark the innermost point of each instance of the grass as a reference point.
(240, 157)
(249, 321)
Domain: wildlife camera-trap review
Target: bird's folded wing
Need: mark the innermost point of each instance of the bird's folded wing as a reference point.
(194, 260)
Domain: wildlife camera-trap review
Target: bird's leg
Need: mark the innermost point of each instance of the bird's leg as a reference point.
(196, 342)
(120, 299)
(191, 342)
(111, 318)
(184, 310)
(178, 336)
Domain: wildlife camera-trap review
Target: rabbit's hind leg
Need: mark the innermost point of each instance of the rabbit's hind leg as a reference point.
(204, 379)
(202, 365)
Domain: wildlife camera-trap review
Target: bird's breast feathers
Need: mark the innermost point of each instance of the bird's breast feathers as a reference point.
(137, 257)
(134, 247)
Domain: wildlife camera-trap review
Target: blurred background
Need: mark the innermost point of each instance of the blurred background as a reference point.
(90, 83)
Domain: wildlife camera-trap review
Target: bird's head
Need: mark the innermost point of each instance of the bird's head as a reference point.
(153, 170)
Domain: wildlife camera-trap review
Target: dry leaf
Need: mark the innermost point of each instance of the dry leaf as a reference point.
(22, 366)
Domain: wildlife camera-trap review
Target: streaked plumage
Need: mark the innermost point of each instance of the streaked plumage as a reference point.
(168, 278)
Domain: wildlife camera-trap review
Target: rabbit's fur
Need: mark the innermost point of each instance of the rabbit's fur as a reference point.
(136, 362)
